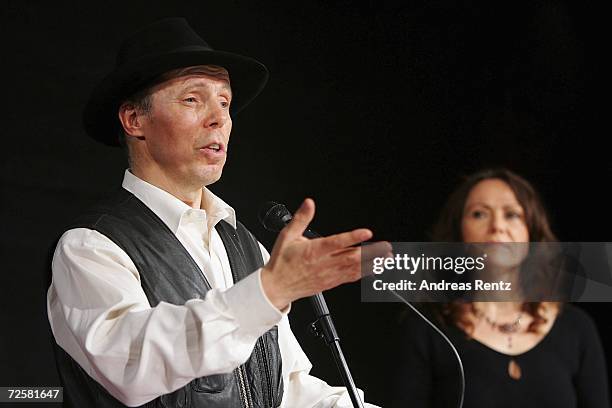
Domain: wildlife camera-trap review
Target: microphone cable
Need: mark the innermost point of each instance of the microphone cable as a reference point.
(445, 337)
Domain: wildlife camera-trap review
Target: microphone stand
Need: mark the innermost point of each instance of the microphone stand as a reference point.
(323, 327)
(274, 217)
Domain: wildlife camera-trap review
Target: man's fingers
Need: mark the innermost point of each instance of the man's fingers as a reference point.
(375, 250)
(368, 251)
(356, 257)
(302, 217)
(332, 243)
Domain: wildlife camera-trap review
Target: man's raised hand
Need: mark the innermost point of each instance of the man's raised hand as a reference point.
(301, 267)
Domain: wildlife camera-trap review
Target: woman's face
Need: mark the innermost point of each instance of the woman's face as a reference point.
(493, 214)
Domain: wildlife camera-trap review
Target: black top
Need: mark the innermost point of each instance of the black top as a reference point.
(566, 369)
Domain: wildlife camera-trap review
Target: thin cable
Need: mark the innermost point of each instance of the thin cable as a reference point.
(450, 343)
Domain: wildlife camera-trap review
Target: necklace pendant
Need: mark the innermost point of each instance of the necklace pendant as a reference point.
(514, 370)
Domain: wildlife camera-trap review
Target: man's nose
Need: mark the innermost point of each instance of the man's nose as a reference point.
(216, 117)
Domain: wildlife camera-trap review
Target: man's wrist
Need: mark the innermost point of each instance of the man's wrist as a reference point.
(271, 291)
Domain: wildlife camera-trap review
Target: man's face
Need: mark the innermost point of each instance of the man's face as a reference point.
(187, 130)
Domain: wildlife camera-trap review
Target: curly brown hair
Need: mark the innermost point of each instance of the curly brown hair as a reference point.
(448, 229)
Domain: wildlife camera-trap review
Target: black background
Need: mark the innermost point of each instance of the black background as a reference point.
(373, 109)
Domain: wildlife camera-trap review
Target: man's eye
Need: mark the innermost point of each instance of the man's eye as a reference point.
(190, 99)
(225, 104)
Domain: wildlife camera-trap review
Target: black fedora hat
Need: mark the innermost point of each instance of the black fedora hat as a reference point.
(155, 49)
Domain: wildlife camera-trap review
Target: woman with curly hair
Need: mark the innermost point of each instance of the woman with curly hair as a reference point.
(515, 354)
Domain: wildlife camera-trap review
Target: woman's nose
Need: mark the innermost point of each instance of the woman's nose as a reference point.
(498, 223)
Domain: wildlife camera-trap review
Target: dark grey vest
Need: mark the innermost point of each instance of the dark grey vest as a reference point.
(169, 274)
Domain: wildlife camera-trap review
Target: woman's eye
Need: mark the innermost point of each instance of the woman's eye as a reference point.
(513, 215)
(478, 214)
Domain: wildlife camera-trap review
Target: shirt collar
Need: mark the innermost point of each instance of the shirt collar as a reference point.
(169, 208)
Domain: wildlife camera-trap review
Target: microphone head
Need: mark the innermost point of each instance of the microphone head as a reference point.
(274, 216)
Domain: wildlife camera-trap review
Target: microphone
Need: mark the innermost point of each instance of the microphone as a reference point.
(275, 216)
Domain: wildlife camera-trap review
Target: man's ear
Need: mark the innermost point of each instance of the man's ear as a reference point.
(131, 120)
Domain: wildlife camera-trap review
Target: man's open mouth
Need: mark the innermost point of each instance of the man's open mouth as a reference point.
(215, 147)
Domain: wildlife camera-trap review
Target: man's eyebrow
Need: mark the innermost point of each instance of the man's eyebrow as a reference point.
(226, 86)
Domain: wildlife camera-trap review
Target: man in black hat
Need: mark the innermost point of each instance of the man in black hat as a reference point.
(159, 295)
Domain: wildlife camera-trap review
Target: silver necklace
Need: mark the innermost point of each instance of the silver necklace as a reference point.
(514, 370)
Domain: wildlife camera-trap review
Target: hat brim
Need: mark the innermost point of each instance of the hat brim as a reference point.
(100, 116)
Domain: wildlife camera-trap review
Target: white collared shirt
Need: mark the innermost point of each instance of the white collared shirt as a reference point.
(101, 317)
